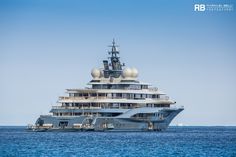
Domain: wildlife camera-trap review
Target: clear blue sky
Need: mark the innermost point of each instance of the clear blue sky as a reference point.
(49, 46)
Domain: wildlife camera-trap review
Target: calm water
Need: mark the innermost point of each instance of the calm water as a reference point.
(176, 141)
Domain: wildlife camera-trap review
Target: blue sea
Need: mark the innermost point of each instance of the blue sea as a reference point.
(176, 141)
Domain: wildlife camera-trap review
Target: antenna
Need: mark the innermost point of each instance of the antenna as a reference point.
(114, 50)
(113, 62)
(113, 42)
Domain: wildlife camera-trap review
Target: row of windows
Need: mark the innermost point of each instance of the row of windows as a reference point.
(139, 115)
(86, 113)
(87, 94)
(157, 105)
(115, 95)
(110, 105)
(149, 115)
(120, 86)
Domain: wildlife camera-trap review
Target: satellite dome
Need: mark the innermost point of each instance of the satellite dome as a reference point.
(134, 72)
(95, 73)
(127, 72)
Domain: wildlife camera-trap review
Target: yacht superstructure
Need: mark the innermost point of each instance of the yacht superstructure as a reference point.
(115, 101)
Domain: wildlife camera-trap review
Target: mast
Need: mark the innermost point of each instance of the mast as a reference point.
(116, 66)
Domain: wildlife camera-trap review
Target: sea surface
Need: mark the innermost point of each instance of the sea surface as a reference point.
(176, 141)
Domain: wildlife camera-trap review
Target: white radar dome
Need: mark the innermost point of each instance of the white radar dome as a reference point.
(95, 73)
(127, 72)
(134, 72)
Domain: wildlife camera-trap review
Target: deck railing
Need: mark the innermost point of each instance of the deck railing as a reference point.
(70, 107)
(94, 98)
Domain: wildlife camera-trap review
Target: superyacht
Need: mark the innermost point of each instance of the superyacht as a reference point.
(115, 100)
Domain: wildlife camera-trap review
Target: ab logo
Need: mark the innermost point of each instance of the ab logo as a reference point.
(199, 7)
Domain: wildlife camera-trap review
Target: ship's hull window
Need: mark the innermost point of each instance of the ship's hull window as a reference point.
(63, 123)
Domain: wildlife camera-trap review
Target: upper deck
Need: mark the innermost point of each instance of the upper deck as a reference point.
(113, 84)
